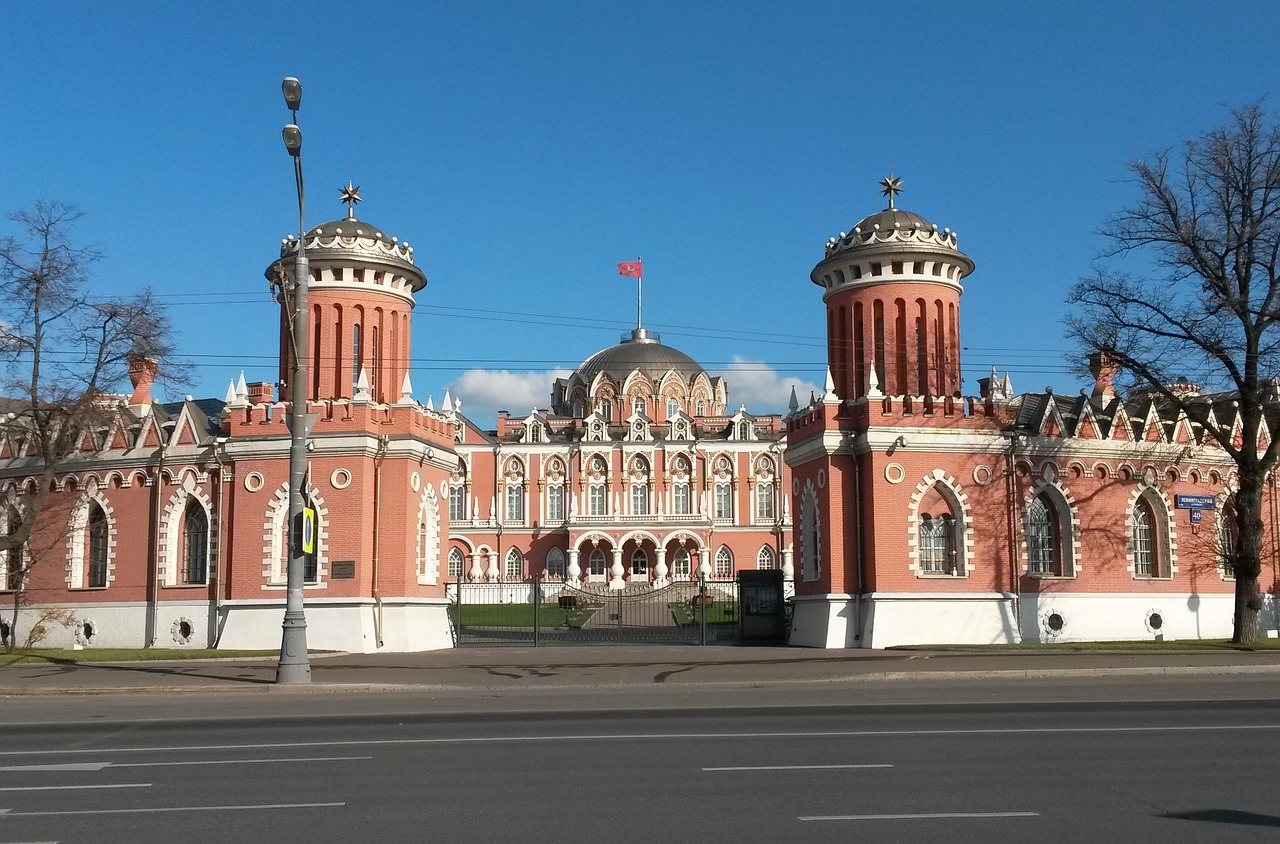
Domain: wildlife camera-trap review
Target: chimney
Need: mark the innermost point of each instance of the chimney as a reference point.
(260, 392)
(142, 372)
(1104, 371)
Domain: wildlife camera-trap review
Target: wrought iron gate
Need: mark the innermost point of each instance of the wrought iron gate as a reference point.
(545, 613)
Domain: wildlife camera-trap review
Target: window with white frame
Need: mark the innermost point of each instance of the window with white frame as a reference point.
(555, 564)
(766, 559)
(97, 534)
(637, 405)
(724, 562)
(673, 408)
(455, 563)
(514, 569)
(195, 543)
(764, 501)
(515, 503)
(937, 544)
(639, 565)
(744, 430)
(1149, 554)
(680, 502)
(1044, 538)
(1227, 542)
(596, 500)
(12, 561)
(702, 408)
(555, 503)
(639, 499)
(681, 568)
(596, 563)
(606, 410)
(457, 502)
(724, 500)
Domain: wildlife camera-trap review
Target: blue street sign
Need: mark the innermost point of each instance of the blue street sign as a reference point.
(1195, 502)
(1195, 516)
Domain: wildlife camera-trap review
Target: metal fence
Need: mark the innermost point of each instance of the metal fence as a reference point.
(553, 612)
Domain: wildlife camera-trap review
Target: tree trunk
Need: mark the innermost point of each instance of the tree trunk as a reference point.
(1248, 559)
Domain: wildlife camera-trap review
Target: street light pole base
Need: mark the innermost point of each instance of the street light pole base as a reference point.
(294, 667)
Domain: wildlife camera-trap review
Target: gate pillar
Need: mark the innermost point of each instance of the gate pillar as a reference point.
(660, 568)
(574, 572)
(615, 571)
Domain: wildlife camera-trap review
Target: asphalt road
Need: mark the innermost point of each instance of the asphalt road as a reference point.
(927, 762)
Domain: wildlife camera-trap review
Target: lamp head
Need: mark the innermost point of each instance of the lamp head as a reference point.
(293, 139)
(292, 92)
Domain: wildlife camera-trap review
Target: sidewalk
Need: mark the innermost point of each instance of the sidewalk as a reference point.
(566, 668)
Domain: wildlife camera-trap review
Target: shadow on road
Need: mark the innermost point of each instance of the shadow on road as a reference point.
(1232, 816)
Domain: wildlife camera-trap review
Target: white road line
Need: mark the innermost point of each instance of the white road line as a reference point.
(66, 766)
(581, 737)
(8, 813)
(233, 761)
(791, 767)
(77, 787)
(923, 816)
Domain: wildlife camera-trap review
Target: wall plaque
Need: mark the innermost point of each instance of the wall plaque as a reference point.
(343, 569)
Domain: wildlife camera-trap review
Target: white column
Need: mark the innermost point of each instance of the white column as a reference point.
(660, 569)
(493, 573)
(574, 573)
(615, 571)
(788, 570)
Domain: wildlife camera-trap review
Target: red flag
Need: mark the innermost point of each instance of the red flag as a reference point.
(631, 269)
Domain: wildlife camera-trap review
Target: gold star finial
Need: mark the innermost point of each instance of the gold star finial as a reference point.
(891, 187)
(350, 196)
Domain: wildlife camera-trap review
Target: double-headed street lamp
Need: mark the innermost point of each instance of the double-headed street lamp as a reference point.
(295, 666)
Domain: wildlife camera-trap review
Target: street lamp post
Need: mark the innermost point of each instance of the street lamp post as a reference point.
(295, 666)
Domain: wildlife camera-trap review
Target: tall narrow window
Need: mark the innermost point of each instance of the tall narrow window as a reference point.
(515, 565)
(98, 536)
(1146, 554)
(764, 502)
(766, 559)
(1044, 544)
(637, 405)
(457, 503)
(595, 563)
(606, 410)
(555, 503)
(937, 548)
(12, 560)
(680, 499)
(455, 563)
(744, 431)
(515, 503)
(555, 563)
(1227, 542)
(724, 562)
(639, 565)
(702, 408)
(195, 545)
(639, 499)
(595, 500)
(673, 408)
(724, 500)
(356, 359)
(373, 365)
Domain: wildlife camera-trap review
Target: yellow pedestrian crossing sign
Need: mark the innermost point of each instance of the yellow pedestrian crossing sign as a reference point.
(308, 531)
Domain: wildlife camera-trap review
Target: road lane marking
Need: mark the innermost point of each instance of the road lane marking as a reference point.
(922, 816)
(591, 737)
(76, 787)
(790, 767)
(233, 761)
(8, 813)
(66, 766)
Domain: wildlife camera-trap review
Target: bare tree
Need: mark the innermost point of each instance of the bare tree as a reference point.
(61, 351)
(1208, 219)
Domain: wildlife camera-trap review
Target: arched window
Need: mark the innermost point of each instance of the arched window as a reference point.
(356, 360)
(639, 499)
(1044, 538)
(515, 502)
(724, 500)
(535, 434)
(639, 565)
(673, 408)
(744, 430)
(555, 563)
(515, 565)
(766, 559)
(637, 405)
(937, 544)
(1227, 533)
(11, 561)
(724, 562)
(455, 563)
(555, 503)
(1150, 556)
(97, 531)
(810, 534)
(680, 504)
(606, 410)
(595, 563)
(457, 503)
(680, 566)
(195, 544)
(764, 501)
(702, 408)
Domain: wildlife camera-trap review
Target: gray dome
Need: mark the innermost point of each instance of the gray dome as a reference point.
(349, 227)
(639, 351)
(891, 218)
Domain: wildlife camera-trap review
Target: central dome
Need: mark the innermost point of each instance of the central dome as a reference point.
(638, 351)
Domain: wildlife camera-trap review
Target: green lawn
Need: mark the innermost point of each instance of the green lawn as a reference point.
(122, 655)
(521, 615)
(720, 612)
(1082, 647)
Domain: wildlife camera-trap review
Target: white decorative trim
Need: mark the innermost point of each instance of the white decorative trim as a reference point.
(170, 527)
(175, 630)
(1066, 500)
(253, 482)
(273, 538)
(428, 537)
(964, 527)
(78, 534)
(81, 626)
(810, 523)
(415, 482)
(894, 473)
(1170, 539)
(341, 478)
(982, 475)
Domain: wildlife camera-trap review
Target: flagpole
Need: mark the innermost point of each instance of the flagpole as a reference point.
(639, 292)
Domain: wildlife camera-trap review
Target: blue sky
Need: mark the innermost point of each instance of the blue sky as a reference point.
(524, 149)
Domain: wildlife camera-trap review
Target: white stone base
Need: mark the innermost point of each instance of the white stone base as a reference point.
(976, 618)
(825, 621)
(332, 625)
(1129, 617)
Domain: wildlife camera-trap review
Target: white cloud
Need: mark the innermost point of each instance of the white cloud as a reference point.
(486, 391)
(759, 386)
